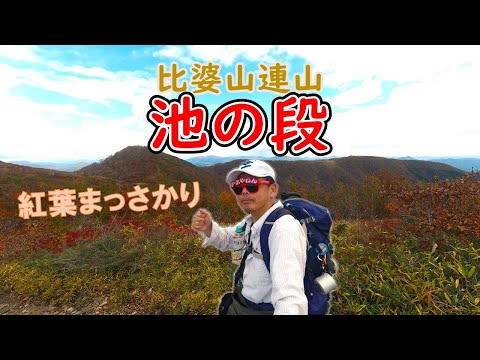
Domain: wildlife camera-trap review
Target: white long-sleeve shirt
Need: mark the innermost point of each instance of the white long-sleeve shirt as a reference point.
(283, 285)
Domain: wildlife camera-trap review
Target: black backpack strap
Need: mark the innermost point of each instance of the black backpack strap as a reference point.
(265, 232)
(239, 273)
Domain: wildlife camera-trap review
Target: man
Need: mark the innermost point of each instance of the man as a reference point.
(257, 290)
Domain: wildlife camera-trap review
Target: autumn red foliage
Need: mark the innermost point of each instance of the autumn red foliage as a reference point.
(444, 205)
(86, 234)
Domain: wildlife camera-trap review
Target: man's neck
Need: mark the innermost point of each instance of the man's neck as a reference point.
(259, 213)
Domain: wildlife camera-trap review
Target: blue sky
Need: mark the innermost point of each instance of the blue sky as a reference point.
(87, 102)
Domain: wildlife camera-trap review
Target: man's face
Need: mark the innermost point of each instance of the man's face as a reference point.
(259, 201)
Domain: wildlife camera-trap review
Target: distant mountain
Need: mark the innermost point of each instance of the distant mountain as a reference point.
(348, 170)
(61, 166)
(14, 179)
(212, 159)
(136, 164)
(406, 158)
(465, 164)
(115, 174)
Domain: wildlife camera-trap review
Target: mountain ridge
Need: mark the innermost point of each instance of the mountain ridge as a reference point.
(136, 164)
(349, 170)
(467, 164)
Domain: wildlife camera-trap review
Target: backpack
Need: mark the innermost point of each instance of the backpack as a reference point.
(318, 223)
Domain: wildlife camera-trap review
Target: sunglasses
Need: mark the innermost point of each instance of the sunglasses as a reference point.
(251, 185)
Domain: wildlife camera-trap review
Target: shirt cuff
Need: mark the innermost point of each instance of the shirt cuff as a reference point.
(207, 240)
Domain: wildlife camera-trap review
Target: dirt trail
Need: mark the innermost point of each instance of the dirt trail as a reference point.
(10, 305)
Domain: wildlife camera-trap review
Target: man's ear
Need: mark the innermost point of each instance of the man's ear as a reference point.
(274, 189)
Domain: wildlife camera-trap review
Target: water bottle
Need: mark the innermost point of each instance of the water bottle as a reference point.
(238, 236)
(239, 241)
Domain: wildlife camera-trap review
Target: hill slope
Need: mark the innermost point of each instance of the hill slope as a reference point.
(348, 170)
(136, 164)
(14, 179)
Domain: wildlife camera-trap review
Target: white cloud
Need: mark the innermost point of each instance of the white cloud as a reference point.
(19, 53)
(43, 132)
(176, 53)
(225, 54)
(39, 132)
(400, 63)
(438, 117)
(433, 112)
(342, 64)
(95, 72)
(170, 51)
(367, 91)
(120, 86)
